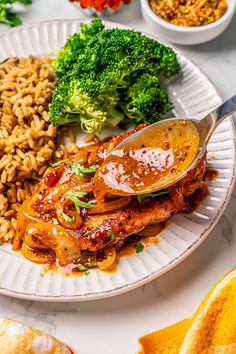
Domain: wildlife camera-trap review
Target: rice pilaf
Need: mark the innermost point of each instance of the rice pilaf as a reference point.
(28, 144)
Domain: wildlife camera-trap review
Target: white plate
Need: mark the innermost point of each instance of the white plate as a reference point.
(193, 95)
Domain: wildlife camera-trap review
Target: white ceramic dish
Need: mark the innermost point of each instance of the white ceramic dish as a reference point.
(193, 95)
(187, 35)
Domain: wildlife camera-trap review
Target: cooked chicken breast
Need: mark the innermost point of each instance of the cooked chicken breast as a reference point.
(59, 217)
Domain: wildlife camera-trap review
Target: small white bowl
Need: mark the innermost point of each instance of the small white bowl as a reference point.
(187, 35)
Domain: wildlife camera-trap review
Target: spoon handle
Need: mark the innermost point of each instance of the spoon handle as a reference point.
(208, 124)
(224, 110)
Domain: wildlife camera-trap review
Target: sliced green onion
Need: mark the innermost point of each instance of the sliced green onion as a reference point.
(58, 163)
(79, 194)
(112, 234)
(81, 267)
(151, 195)
(79, 203)
(93, 264)
(65, 216)
(79, 170)
(139, 247)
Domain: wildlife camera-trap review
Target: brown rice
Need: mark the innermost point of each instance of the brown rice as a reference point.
(28, 144)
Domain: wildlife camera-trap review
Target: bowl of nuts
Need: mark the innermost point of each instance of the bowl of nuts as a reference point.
(188, 21)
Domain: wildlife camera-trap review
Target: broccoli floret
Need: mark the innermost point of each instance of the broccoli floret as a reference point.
(71, 104)
(122, 52)
(146, 100)
(75, 46)
(89, 31)
(111, 77)
(169, 65)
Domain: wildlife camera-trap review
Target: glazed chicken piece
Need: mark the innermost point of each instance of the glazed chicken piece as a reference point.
(94, 232)
(51, 224)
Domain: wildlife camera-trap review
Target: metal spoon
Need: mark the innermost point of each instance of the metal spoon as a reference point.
(205, 127)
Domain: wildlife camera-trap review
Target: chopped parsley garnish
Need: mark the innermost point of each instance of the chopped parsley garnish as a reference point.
(112, 234)
(151, 195)
(139, 247)
(65, 216)
(79, 203)
(93, 264)
(86, 273)
(58, 163)
(81, 170)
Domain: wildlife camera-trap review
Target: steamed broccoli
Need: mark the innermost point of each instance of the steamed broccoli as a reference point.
(108, 76)
(71, 103)
(74, 46)
(146, 100)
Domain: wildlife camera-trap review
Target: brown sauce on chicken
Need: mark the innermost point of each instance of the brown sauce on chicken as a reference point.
(63, 223)
(157, 158)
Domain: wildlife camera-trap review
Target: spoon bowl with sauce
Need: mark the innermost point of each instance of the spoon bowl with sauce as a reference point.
(159, 155)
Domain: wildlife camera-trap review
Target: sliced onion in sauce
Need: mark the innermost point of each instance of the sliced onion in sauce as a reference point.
(35, 255)
(109, 260)
(72, 213)
(110, 206)
(33, 240)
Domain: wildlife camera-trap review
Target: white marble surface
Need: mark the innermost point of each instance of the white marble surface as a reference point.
(114, 325)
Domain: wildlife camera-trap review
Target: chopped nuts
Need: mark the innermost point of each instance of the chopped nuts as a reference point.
(189, 13)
